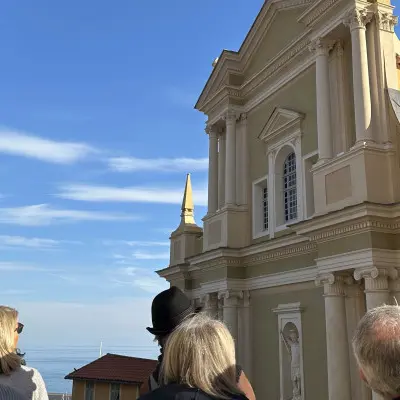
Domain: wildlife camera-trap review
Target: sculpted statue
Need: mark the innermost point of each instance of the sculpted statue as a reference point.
(293, 348)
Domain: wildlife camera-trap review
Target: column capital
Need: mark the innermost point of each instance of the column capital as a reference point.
(376, 279)
(243, 117)
(358, 18)
(339, 48)
(386, 21)
(231, 297)
(321, 47)
(333, 284)
(211, 130)
(230, 116)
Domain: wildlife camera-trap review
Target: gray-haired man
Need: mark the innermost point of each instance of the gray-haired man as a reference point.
(376, 346)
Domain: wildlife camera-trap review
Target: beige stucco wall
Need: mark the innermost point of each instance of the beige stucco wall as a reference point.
(265, 339)
(276, 39)
(78, 390)
(300, 96)
(129, 392)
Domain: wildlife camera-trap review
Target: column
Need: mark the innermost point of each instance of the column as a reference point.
(230, 171)
(271, 194)
(221, 169)
(324, 124)
(375, 126)
(230, 310)
(210, 301)
(246, 350)
(212, 170)
(362, 98)
(338, 362)
(376, 281)
(355, 309)
(242, 162)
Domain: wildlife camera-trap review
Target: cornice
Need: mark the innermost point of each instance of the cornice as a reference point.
(237, 61)
(286, 252)
(348, 222)
(314, 13)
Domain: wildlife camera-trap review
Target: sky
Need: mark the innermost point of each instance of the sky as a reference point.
(97, 133)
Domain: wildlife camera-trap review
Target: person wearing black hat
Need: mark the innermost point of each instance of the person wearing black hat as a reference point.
(168, 310)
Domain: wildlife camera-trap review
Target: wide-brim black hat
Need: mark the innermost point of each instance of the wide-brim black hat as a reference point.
(169, 309)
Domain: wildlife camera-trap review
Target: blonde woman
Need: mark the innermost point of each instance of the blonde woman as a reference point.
(199, 363)
(26, 381)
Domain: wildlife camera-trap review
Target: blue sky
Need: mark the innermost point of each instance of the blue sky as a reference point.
(97, 132)
(96, 114)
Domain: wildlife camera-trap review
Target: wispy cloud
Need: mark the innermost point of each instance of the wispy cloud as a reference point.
(139, 255)
(44, 214)
(27, 145)
(132, 164)
(33, 243)
(6, 266)
(128, 194)
(135, 243)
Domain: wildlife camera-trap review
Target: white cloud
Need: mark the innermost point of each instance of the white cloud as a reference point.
(132, 164)
(6, 266)
(135, 243)
(21, 144)
(128, 194)
(43, 214)
(33, 243)
(139, 255)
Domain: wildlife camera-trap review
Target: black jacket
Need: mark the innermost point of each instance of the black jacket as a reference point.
(181, 392)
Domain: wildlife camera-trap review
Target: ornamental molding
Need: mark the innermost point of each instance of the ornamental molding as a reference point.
(287, 252)
(386, 21)
(373, 272)
(358, 18)
(314, 13)
(289, 308)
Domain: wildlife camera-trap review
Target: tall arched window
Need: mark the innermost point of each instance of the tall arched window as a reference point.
(290, 187)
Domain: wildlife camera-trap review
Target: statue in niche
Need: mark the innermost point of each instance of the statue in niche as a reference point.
(293, 348)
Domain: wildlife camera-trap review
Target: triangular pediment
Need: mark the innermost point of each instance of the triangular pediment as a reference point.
(237, 62)
(282, 121)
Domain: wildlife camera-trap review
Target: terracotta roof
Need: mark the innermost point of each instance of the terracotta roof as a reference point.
(116, 368)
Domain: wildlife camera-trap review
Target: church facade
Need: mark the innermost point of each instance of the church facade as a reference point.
(302, 233)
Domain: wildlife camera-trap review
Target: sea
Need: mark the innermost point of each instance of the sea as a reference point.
(54, 363)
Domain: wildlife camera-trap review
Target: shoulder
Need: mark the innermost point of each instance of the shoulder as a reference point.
(40, 392)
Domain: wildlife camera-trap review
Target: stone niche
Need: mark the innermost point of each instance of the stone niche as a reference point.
(290, 351)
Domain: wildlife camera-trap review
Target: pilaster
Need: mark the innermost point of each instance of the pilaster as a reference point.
(212, 169)
(230, 168)
(231, 299)
(210, 301)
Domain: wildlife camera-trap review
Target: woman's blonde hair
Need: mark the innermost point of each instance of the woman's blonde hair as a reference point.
(9, 360)
(200, 353)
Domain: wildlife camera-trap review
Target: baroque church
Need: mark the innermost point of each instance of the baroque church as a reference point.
(302, 233)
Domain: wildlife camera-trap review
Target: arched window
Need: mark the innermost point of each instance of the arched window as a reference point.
(290, 187)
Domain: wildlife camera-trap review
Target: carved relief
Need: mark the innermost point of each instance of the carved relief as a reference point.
(386, 21)
(358, 18)
(321, 47)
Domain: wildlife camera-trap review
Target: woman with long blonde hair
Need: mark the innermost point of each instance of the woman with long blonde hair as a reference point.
(26, 381)
(199, 363)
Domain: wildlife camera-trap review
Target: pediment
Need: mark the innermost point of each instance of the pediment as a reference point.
(232, 62)
(281, 122)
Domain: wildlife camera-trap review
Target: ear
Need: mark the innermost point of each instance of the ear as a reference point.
(362, 376)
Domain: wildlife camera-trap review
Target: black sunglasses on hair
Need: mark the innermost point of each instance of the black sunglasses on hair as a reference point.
(19, 328)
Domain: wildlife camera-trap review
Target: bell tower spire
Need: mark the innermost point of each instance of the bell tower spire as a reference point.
(186, 240)
(187, 215)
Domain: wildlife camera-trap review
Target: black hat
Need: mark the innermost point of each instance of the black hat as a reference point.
(168, 310)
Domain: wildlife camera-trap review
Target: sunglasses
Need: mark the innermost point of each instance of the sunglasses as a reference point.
(19, 328)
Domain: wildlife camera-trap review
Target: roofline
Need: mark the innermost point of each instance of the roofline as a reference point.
(120, 381)
(232, 51)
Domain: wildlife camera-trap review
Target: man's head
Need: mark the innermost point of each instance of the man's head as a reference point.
(376, 346)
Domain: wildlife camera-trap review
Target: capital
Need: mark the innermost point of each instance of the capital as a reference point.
(230, 116)
(209, 300)
(339, 49)
(243, 117)
(333, 284)
(386, 21)
(230, 297)
(358, 18)
(321, 47)
(211, 130)
(375, 278)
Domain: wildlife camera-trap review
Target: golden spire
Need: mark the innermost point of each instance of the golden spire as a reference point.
(187, 215)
